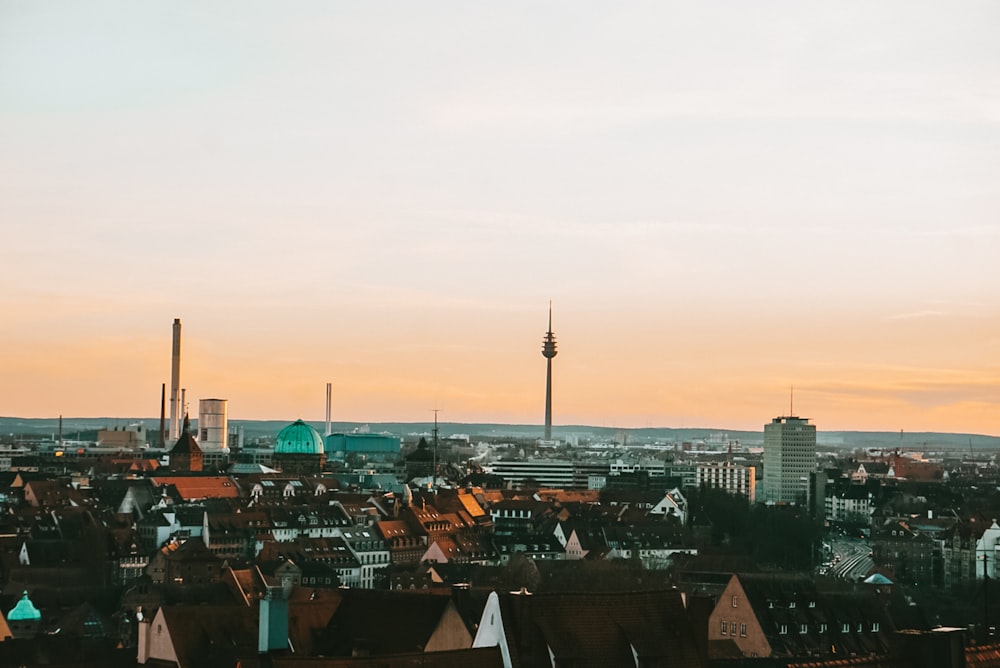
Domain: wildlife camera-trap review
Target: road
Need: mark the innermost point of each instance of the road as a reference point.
(851, 558)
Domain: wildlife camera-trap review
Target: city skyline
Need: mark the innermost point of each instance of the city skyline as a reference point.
(720, 201)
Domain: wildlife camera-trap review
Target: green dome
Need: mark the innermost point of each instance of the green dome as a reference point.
(24, 611)
(299, 438)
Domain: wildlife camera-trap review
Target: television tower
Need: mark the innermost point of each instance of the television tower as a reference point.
(548, 352)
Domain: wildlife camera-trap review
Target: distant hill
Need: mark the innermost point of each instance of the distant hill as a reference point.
(256, 428)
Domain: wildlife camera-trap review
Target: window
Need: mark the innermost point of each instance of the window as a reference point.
(874, 627)
(846, 628)
(734, 600)
(743, 630)
(732, 629)
(725, 628)
(783, 629)
(822, 628)
(791, 604)
(804, 628)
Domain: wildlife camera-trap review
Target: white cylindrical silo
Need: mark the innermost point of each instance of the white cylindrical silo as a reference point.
(213, 425)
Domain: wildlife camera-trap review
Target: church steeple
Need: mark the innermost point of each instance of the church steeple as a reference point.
(186, 455)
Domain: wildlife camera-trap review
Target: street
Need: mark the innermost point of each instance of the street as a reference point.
(850, 560)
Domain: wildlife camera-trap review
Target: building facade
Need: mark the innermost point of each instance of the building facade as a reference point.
(733, 478)
(789, 458)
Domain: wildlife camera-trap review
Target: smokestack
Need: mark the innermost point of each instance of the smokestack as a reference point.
(163, 414)
(60, 431)
(175, 384)
(329, 393)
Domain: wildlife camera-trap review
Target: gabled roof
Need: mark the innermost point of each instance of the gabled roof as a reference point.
(194, 629)
(477, 657)
(186, 445)
(599, 629)
(793, 602)
(383, 622)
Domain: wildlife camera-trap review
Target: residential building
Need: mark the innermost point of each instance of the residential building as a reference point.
(733, 478)
(783, 616)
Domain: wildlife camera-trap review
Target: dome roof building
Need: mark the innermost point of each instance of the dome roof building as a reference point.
(24, 611)
(24, 618)
(300, 439)
(299, 449)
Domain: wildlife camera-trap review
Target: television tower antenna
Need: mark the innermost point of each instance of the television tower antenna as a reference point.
(548, 352)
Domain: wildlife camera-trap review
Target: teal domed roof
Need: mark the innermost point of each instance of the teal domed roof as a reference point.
(24, 611)
(299, 438)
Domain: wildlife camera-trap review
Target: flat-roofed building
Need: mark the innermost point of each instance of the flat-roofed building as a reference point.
(789, 458)
(733, 478)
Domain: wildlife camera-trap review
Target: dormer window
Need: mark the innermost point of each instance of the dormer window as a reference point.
(791, 604)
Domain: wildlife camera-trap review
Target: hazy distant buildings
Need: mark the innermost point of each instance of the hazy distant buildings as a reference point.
(132, 437)
(789, 458)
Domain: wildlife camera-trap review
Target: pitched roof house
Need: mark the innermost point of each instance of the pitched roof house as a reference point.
(649, 628)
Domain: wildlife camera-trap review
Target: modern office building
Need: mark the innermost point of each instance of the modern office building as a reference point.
(789, 458)
(553, 473)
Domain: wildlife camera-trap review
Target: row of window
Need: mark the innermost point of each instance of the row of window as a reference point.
(727, 628)
(844, 628)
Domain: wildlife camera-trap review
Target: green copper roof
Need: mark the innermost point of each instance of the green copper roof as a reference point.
(24, 610)
(299, 438)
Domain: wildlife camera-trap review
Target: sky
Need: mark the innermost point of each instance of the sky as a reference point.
(720, 199)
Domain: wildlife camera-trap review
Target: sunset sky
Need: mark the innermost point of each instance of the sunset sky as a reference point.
(721, 199)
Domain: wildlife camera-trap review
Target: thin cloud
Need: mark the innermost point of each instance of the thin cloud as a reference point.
(918, 314)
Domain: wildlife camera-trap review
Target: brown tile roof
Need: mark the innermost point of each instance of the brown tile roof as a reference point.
(201, 487)
(599, 629)
(307, 621)
(382, 623)
(195, 628)
(478, 657)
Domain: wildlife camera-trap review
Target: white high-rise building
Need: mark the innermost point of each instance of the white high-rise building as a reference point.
(789, 458)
